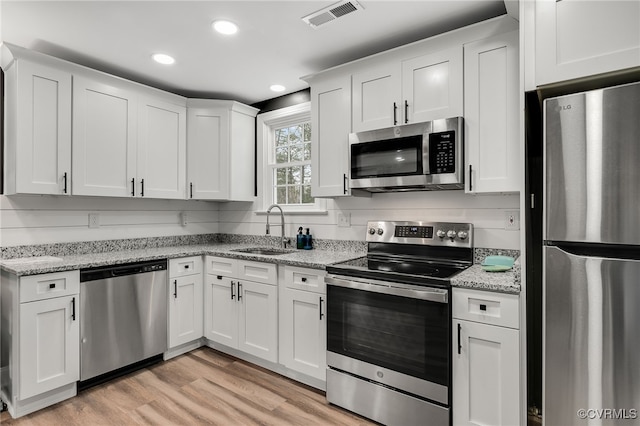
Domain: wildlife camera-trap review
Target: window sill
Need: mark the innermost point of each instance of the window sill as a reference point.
(295, 212)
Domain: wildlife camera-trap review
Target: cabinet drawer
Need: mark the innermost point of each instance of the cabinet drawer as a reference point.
(221, 266)
(47, 286)
(185, 266)
(486, 307)
(257, 271)
(305, 279)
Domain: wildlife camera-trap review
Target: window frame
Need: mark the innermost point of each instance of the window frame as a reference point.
(266, 123)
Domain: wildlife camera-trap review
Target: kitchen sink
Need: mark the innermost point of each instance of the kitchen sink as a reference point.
(267, 251)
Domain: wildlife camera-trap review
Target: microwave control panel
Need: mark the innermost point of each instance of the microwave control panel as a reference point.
(442, 152)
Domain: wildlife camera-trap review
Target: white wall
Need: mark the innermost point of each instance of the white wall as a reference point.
(42, 219)
(33, 219)
(486, 212)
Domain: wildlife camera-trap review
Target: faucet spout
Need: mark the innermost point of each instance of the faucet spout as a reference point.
(284, 239)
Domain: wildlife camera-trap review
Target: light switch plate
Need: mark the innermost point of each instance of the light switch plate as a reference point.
(512, 220)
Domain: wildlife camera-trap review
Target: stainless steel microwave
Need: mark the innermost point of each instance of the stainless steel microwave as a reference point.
(413, 157)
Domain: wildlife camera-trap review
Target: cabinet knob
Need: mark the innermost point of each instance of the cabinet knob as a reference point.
(483, 307)
(52, 285)
(304, 279)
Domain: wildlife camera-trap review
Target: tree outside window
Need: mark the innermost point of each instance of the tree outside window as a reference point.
(292, 167)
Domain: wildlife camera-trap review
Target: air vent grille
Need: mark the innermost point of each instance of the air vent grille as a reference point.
(332, 13)
(343, 9)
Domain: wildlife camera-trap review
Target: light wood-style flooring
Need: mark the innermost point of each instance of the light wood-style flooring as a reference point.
(201, 387)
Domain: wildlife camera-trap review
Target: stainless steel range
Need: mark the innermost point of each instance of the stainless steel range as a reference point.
(389, 322)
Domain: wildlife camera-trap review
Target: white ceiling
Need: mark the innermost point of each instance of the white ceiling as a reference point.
(273, 45)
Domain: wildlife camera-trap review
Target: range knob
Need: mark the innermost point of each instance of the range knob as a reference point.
(451, 234)
(440, 233)
(372, 231)
(380, 231)
(462, 235)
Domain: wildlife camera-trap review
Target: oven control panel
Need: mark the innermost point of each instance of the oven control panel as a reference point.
(422, 233)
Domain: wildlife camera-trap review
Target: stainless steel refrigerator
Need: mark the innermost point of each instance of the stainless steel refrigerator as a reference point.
(591, 259)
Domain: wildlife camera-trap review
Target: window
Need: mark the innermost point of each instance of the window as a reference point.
(291, 168)
(284, 144)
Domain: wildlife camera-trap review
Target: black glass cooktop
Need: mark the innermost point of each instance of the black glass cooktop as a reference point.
(399, 270)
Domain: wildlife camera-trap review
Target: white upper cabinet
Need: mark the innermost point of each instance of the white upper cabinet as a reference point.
(38, 129)
(161, 148)
(126, 143)
(376, 97)
(104, 138)
(575, 39)
(432, 86)
(422, 88)
(220, 150)
(330, 128)
(492, 114)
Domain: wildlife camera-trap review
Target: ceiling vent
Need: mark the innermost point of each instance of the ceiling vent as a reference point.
(331, 13)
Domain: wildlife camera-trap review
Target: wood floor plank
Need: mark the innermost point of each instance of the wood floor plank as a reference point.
(203, 387)
(239, 385)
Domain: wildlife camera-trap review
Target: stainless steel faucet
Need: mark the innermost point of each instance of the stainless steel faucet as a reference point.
(285, 240)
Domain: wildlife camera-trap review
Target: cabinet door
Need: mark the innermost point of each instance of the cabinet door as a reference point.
(376, 98)
(221, 310)
(330, 128)
(605, 38)
(303, 336)
(185, 309)
(208, 153)
(43, 130)
(258, 334)
(492, 114)
(432, 86)
(49, 345)
(104, 139)
(486, 374)
(161, 149)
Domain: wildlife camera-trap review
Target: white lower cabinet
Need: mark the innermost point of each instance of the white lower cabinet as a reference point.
(185, 300)
(486, 358)
(40, 331)
(303, 324)
(239, 313)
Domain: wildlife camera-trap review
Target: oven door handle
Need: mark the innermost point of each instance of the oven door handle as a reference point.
(427, 293)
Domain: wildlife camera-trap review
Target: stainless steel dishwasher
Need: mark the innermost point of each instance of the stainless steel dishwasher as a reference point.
(123, 318)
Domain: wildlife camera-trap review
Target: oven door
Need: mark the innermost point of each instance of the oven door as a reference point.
(394, 334)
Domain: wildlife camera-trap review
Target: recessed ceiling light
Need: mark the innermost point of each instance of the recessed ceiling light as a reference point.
(277, 88)
(163, 59)
(225, 27)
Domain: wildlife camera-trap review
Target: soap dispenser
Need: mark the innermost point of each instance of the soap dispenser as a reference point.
(308, 244)
(300, 239)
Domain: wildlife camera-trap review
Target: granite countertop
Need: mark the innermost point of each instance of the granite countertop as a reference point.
(41, 262)
(317, 259)
(475, 277)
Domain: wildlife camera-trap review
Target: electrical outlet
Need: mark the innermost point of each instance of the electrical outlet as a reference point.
(94, 220)
(344, 219)
(512, 220)
(183, 218)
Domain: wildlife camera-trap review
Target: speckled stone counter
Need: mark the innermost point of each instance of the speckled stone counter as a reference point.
(316, 258)
(475, 277)
(41, 259)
